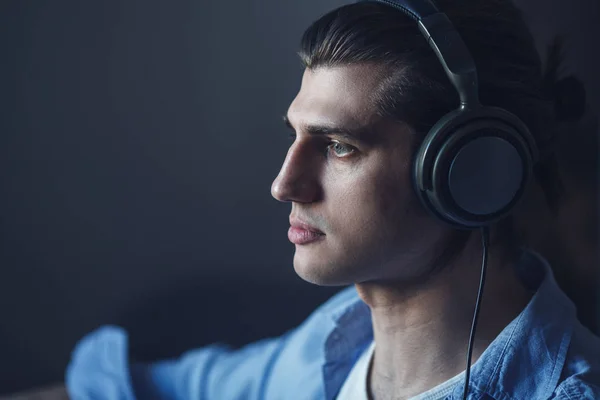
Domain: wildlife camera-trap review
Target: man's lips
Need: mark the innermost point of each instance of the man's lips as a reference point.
(302, 233)
(297, 223)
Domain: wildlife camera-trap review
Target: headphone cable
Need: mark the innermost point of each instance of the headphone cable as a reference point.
(485, 239)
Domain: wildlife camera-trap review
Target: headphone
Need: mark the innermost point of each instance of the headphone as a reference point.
(474, 163)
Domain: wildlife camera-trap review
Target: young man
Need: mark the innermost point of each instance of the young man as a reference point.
(371, 90)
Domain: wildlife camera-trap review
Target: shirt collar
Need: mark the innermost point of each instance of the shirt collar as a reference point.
(526, 358)
(351, 334)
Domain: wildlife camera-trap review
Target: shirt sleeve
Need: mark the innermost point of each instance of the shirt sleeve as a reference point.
(100, 370)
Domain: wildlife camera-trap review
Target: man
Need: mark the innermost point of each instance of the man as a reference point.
(371, 90)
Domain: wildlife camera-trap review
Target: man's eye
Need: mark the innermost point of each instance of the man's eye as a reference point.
(340, 149)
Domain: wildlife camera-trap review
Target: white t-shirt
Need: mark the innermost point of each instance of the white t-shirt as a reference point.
(355, 386)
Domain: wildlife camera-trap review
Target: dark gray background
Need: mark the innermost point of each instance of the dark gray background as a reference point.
(138, 142)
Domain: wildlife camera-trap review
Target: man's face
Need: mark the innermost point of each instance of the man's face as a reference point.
(347, 175)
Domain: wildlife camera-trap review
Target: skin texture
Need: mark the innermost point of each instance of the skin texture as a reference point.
(378, 236)
(361, 199)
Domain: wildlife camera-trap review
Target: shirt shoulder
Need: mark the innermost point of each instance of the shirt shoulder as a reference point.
(298, 371)
(575, 388)
(581, 374)
(339, 302)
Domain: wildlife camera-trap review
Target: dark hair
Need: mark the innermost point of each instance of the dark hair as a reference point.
(416, 90)
(576, 138)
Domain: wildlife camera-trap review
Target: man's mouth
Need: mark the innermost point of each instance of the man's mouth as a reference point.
(302, 233)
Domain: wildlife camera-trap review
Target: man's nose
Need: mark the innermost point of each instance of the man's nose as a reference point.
(297, 180)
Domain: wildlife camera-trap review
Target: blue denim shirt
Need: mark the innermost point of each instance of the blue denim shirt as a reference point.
(544, 353)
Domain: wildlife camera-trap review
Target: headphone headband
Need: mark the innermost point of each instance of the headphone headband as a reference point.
(447, 45)
(417, 10)
(474, 163)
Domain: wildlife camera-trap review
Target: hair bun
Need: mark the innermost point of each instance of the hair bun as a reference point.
(569, 98)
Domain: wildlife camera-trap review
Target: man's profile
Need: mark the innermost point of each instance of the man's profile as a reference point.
(371, 92)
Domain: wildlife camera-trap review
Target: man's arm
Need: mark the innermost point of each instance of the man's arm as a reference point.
(100, 369)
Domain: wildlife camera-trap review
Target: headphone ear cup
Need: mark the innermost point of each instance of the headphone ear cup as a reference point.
(473, 173)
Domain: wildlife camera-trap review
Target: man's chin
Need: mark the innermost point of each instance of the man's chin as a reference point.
(320, 273)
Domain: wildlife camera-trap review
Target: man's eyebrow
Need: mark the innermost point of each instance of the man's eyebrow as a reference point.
(352, 134)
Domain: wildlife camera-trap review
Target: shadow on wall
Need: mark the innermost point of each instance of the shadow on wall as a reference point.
(19, 352)
(570, 239)
(568, 235)
(572, 244)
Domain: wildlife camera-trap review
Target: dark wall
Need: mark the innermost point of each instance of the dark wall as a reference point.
(138, 142)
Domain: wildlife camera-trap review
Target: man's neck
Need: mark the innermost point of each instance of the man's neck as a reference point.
(421, 335)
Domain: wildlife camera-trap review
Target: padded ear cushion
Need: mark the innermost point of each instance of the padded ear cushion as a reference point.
(472, 167)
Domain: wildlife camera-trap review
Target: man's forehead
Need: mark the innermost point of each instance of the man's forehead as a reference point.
(336, 95)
